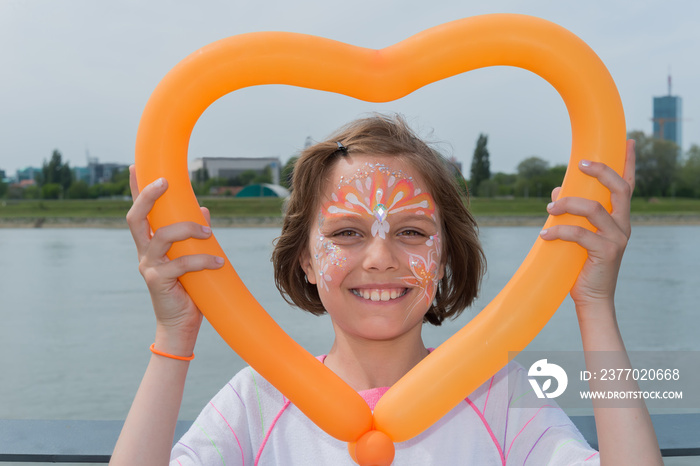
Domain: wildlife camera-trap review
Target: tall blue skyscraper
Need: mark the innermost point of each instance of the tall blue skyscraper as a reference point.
(668, 117)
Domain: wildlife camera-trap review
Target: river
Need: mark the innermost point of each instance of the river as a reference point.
(77, 322)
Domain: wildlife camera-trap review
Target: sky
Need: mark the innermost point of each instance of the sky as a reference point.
(76, 75)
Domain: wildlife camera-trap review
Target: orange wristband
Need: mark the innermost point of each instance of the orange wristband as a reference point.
(171, 356)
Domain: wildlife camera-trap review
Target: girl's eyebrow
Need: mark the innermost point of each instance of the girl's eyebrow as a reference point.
(403, 218)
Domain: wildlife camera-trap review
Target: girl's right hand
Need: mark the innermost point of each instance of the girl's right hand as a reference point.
(178, 319)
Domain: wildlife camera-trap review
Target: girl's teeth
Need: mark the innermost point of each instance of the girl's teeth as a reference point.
(379, 295)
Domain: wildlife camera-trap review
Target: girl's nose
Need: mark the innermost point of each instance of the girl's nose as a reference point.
(380, 255)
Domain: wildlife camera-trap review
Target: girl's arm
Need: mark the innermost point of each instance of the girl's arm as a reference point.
(147, 435)
(625, 435)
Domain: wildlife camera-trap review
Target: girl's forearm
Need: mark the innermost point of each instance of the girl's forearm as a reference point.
(147, 435)
(625, 435)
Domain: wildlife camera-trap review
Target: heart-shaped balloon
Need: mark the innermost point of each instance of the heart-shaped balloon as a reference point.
(508, 323)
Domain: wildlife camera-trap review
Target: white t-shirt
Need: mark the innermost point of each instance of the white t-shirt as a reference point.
(249, 422)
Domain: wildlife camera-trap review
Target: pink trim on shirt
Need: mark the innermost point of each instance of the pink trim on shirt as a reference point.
(488, 429)
(526, 424)
(231, 429)
(269, 431)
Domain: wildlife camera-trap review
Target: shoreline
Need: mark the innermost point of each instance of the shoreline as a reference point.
(276, 222)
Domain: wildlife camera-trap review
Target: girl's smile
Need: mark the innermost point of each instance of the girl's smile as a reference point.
(375, 251)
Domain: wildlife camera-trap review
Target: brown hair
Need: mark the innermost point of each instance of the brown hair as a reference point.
(387, 136)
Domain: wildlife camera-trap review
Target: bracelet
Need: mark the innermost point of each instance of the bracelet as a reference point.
(171, 356)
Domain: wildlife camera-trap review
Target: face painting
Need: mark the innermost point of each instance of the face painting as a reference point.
(376, 194)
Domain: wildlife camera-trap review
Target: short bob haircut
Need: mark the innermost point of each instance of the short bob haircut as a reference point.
(382, 136)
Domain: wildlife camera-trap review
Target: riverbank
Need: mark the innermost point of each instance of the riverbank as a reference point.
(267, 212)
(276, 222)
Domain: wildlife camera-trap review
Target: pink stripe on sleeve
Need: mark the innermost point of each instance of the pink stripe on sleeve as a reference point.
(528, 422)
(488, 429)
(269, 431)
(231, 428)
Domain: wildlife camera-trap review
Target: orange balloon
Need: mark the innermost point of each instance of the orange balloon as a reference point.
(510, 321)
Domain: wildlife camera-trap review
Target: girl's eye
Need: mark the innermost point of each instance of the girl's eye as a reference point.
(411, 233)
(345, 234)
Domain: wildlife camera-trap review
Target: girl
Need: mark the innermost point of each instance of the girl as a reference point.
(376, 235)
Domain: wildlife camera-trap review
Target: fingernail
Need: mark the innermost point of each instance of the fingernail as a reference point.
(158, 183)
(206, 229)
(219, 260)
(543, 232)
(585, 163)
(550, 205)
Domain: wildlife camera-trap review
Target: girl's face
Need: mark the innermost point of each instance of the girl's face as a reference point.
(375, 250)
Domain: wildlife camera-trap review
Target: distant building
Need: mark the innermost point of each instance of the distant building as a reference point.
(100, 172)
(29, 173)
(81, 174)
(454, 165)
(668, 116)
(231, 167)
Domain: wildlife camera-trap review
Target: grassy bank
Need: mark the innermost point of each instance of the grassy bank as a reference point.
(270, 208)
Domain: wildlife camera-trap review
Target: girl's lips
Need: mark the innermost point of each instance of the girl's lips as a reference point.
(379, 294)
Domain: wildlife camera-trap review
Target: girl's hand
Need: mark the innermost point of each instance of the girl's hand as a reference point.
(596, 283)
(178, 319)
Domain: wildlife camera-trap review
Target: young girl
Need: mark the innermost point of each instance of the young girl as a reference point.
(376, 235)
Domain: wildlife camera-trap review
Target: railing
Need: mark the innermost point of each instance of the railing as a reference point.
(93, 441)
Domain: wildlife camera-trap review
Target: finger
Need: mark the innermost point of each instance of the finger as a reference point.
(620, 190)
(133, 184)
(137, 215)
(595, 244)
(164, 237)
(593, 211)
(555, 193)
(207, 215)
(191, 263)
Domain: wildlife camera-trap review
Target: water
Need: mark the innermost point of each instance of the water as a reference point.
(76, 319)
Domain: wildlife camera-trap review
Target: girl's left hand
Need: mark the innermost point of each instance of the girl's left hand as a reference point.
(596, 282)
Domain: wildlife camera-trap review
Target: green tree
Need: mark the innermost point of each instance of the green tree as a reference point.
(531, 175)
(51, 191)
(265, 177)
(689, 176)
(505, 183)
(657, 165)
(56, 172)
(79, 190)
(287, 172)
(481, 167)
(31, 192)
(247, 177)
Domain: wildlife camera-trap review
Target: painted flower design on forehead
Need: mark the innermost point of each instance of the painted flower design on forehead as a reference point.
(378, 191)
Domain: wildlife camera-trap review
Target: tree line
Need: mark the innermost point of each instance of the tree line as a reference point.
(56, 180)
(661, 171)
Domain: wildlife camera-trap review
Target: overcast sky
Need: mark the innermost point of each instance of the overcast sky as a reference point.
(75, 75)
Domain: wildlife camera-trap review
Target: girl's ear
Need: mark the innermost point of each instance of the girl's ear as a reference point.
(308, 267)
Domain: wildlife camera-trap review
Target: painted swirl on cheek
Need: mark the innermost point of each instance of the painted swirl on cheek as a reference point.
(426, 272)
(326, 254)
